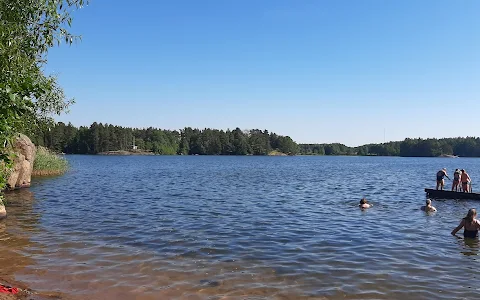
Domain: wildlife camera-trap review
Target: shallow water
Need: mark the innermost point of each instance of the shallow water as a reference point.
(199, 227)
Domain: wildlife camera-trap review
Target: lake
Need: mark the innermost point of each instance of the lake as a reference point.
(221, 227)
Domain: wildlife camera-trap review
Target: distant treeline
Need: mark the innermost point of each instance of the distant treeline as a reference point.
(465, 147)
(104, 137)
(100, 137)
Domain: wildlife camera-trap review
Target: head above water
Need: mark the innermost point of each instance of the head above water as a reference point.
(472, 213)
(462, 170)
(363, 201)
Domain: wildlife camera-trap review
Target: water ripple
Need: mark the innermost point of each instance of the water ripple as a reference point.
(240, 227)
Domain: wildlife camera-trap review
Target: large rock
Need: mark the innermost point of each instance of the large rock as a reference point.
(3, 212)
(21, 175)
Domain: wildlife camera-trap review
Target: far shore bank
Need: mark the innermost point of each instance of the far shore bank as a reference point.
(141, 152)
(145, 153)
(124, 152)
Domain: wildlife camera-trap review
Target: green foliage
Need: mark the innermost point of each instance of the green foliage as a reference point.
(104, 137)
(5, 167)
(312, 149)
(28, 28)
(465, 147)
(49, 163)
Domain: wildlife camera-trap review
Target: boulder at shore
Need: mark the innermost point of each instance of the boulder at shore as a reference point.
(3, 212)
(21, 174)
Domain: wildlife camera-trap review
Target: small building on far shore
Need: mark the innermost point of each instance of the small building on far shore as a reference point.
(134, 147)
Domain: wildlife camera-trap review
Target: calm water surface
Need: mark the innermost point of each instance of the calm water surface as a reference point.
(153, 227)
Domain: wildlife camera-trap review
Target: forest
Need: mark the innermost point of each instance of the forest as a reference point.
(98, 138)
(464, 147)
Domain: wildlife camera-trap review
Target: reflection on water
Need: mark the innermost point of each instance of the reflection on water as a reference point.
(239, 227)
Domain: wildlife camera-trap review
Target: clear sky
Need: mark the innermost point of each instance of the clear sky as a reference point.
(318, 71)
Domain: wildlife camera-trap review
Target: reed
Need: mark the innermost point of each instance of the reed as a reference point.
(48, 163)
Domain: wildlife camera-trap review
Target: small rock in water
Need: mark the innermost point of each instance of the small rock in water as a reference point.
(209, 283)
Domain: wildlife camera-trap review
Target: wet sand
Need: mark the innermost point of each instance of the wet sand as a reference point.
(8, 297)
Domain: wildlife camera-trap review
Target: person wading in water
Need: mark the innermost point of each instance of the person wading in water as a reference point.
(470, 225)
(440, 175)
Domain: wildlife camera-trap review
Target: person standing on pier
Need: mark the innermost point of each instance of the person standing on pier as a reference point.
(440, 175)
(465, 181)
(456, 180)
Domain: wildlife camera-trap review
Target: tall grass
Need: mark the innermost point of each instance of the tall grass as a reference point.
(48, 163)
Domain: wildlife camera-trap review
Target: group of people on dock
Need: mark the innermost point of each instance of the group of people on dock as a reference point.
(461, 180)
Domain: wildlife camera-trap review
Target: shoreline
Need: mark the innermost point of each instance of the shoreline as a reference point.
(23, 293)
(124, 153)
(144, 153)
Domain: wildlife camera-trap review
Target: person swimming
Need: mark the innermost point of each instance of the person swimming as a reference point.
(465, 178)
(440, 175)
(456, 180)
(470, 225)
(428, 206)
(364, 204)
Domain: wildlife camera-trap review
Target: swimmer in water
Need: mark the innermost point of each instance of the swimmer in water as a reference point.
(428, 206)
(364, 204)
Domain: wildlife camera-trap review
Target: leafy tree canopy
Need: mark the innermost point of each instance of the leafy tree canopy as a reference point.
(28, 28)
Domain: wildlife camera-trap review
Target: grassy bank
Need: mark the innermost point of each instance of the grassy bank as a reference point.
(48, 163)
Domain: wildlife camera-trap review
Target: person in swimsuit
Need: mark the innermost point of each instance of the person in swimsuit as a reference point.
(465, 178)
(440, 175)
(428, 206)
(470, 225)
(364, 204)
(456, 180)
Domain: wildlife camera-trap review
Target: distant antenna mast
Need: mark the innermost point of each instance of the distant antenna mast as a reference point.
(384, 140)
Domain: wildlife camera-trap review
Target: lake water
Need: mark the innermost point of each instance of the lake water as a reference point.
(200, 227)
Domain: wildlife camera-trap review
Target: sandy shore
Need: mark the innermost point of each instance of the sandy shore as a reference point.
(25, 294)
(6, 296)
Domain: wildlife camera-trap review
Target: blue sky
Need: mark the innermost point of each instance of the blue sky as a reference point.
(318, 71)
